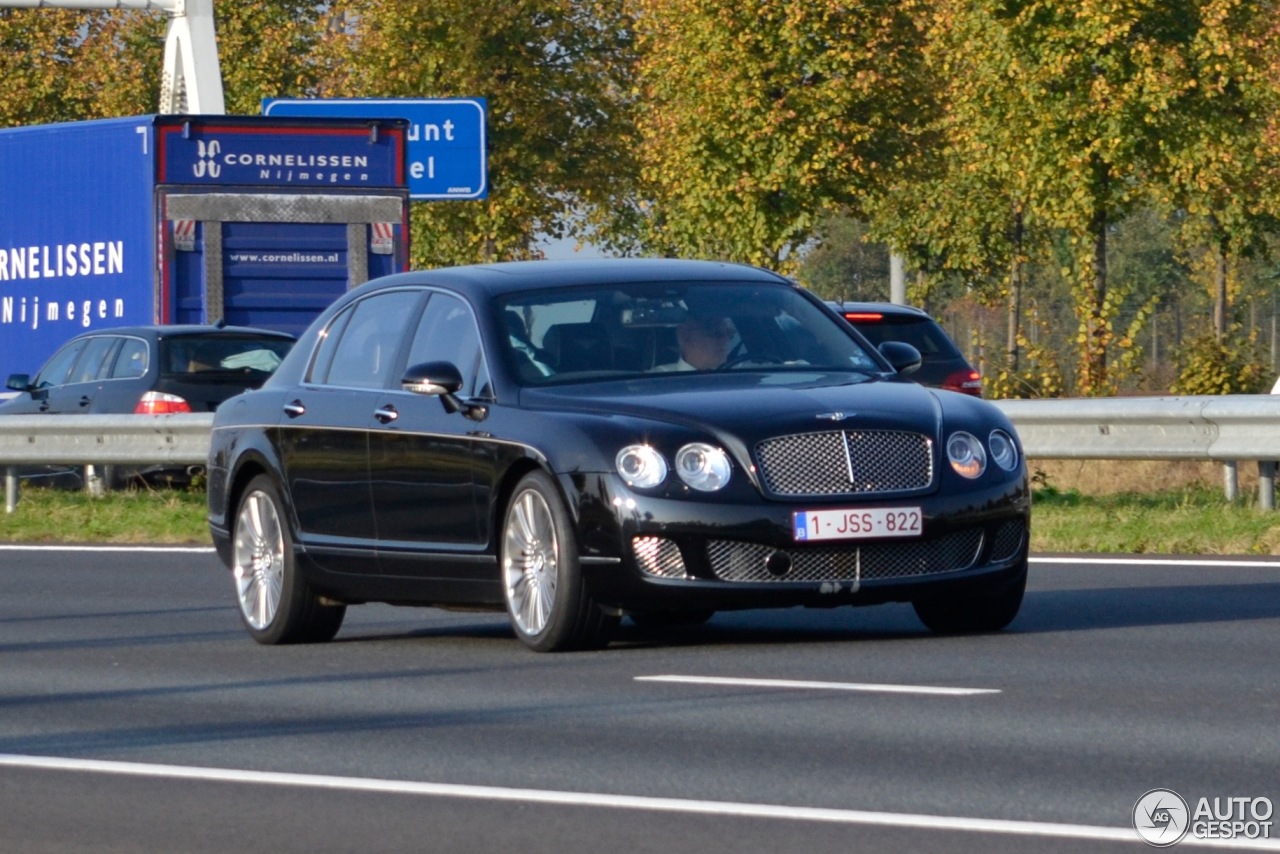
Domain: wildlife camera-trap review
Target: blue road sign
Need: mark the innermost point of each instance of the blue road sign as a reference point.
(446, 138)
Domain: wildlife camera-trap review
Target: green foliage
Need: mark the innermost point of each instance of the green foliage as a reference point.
(63, 65)
(267, 49)
(560, 144)
(1039, 375)
(762, 116)
(83, 65)
(997, 146)
(135, 515)
(844, 264)
(1180, 521)
(1230, 365)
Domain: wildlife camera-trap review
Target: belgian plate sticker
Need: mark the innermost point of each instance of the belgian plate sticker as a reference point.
(856, 524)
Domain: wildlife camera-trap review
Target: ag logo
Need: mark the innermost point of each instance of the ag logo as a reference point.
(207, 164)
(1161, 817)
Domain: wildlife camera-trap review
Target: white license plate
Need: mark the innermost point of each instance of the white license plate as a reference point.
(860, 524)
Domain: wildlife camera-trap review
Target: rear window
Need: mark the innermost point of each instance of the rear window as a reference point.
(921, 333)
(213, 356)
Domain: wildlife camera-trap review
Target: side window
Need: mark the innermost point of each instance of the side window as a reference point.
(366, 349)
(131, 361)
(89, 366)
(55, 370)
(447, 333)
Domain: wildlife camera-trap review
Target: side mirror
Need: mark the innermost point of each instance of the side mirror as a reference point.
(443, 380)
(432, 378)
(18, 382)
(902, 356)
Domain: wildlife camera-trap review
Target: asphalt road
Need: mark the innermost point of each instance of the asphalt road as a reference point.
(136, 715)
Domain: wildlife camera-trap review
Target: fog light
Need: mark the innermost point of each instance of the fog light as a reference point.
(659, 557)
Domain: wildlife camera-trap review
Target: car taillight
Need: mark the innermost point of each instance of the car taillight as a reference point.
(160, 403)
(863, 316)
(967, 381)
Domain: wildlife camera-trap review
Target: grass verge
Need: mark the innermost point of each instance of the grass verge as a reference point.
(44, 515)
(1192, 519)
(1182, 521)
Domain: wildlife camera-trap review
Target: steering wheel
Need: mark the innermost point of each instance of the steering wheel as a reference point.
(733, 361)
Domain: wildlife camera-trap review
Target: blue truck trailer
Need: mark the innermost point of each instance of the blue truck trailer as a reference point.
(250, 220)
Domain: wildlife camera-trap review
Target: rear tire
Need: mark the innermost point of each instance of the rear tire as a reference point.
(542, 585)
(277, 606)
(972, 613)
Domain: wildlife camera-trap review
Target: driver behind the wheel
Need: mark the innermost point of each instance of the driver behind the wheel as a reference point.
(704, 342)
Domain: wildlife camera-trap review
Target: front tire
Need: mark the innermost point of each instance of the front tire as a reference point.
(547, 599)
(973, 613)
(277, 606)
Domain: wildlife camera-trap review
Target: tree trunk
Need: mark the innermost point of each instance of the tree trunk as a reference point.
(1220, 290)
(1015, 297)
(1093, 373)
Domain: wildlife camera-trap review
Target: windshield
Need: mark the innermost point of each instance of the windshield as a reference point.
(579, 334)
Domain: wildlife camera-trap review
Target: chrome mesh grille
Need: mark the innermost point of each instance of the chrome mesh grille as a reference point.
(736, 561)
(846, 462)
(659, 557)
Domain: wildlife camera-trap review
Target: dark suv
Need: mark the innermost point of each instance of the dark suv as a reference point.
(149, 370)
(942, 364)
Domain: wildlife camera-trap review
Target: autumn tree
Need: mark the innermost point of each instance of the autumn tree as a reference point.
(1220, 164)
(965, 208)
(66, 65)
(760, 117)
(1071, 104)
(555, 74)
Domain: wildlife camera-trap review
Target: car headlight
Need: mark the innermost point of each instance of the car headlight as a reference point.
(966, 454)
(1004, 452)
(704, 467)
(641, 466)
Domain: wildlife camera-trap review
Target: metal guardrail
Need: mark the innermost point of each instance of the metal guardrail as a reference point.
(1226, 429)
(29, 440)
(1218, 428)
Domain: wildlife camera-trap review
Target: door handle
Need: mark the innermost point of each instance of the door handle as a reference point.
(294, 408)
(85, 401)
(386, 414)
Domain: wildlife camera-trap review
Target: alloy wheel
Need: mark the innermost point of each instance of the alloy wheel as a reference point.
(259, 560)
(531, 561)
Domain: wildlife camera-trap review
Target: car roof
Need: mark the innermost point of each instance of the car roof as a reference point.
(514, 276)
(891, 309)
(175, 330)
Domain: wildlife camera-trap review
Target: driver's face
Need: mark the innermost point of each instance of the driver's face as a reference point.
(705, 343)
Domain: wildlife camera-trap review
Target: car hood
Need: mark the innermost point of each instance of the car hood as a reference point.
(752, 405)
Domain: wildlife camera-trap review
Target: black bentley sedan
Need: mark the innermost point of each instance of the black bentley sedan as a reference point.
(580, 441)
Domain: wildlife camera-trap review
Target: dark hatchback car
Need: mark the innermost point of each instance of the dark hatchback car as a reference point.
(942, 365)
(544, 437)
(149, 370)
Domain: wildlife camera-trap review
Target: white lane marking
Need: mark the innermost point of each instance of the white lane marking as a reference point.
(1156, 561)
(826, 686)
(160, 549)
(580, 799)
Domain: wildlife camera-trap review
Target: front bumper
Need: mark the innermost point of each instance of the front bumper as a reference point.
(641, 553)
